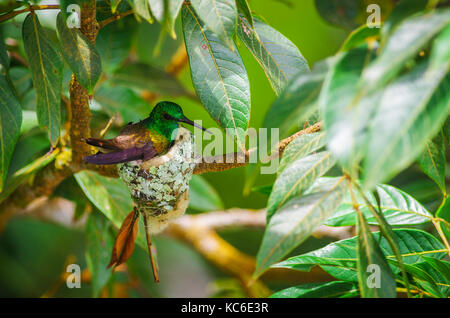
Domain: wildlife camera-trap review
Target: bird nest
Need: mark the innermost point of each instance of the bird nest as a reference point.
(159, 186)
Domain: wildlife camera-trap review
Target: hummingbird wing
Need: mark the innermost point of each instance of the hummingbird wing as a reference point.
(111, 158)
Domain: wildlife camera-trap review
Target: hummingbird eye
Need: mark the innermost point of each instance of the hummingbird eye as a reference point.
(167, 116)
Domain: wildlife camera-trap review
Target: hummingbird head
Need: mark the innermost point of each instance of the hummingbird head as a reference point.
(166, 116)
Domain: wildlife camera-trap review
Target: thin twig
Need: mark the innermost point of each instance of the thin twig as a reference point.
(10, 15)
(114, 18)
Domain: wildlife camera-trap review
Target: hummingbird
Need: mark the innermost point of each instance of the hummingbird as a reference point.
(143, 140)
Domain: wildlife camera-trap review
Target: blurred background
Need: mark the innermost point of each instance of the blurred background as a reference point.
(34, 252)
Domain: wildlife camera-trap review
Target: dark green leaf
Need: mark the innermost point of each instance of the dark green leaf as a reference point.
(432, 161)
(220, 16)
(99, 243)
(244, 8)
(278, 56)
(295, 221)
(46, 70)
(298, 101)
(297, 177)
(375, 277)
(10, 121)
(146, 77)
(317, 290)
(342, 13)
(219, 77)
(80, 54)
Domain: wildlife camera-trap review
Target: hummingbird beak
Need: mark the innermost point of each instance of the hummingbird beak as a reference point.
(190, 122)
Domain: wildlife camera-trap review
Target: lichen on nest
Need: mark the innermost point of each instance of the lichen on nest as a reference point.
(159, 186)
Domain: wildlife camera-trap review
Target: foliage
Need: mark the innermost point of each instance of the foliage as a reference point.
(383, 101)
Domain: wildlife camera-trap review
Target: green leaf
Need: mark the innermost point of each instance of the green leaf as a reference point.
(398, 207)
(202, 195)
(244, 8)
(219, 77)
(24, 174)
(46, 70)
(301, 146)
(4, 58)
(361, 35)
(114, 5)
(21, 80)
(165, 12)
(142, 8)
(342, 13)
(295, 221)
(440, 54)
(402, 10)
(339, 258)
(396, 138)
(114, 43)
(298, 101)
(297, 177)
(345, 119)
(375, 277)
(317, 290)
(111, 197)
(99, 244)
(444, 213)
(421, 277)
(29, 121)
(80, 54)
(432, 161)
(220, 16)
(404, 43)
(10, 121)
(279, 57)
(146, 77)
(439, 270)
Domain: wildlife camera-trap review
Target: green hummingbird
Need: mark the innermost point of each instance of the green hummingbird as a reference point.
(143, 140)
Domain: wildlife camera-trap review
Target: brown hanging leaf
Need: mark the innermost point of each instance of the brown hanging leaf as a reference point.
(124, 243)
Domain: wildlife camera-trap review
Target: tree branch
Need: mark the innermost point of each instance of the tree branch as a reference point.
(114, 18)
(10, 15)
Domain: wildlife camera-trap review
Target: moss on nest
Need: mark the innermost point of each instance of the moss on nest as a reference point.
(159, 186)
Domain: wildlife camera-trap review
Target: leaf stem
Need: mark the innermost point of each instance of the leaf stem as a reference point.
(114, 18)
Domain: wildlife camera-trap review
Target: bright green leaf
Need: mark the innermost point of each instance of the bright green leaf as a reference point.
(432, 161)
(202, 195)
(317, 290)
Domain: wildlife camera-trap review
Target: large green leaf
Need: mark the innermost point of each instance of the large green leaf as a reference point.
(363, 34)
(411, 111)
(80, 54)
(10, 121)
(146, 77)
(220, 16)
(432, 161)
(278, 56)
(298, 101)
(375, 277)
(46, 70)
(202, 196)
(424, 279)
(339, 258)
(219, 77)
(244, 9)
(317, 290)
(295, 221)
(99, 244)
(345, 118)
(398, 208)
(301, 146)
(142, 8)
(297, 177)
(404, 43)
